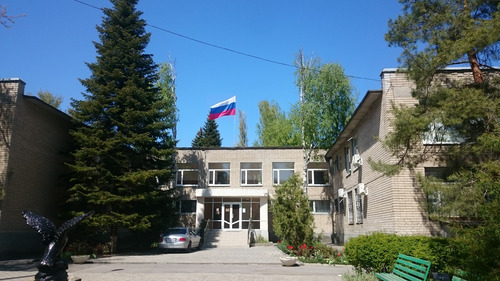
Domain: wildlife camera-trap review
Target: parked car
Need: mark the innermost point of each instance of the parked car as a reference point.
(179, 238)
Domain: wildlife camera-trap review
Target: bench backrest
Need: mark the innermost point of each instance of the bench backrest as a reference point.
(411, 268)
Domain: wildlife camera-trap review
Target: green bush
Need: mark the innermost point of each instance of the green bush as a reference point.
(378, 252)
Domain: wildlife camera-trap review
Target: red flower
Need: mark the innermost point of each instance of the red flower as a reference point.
(290, 247)
(339, 254)
(312, 248)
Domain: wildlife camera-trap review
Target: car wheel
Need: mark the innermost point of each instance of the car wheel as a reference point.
(188, 249)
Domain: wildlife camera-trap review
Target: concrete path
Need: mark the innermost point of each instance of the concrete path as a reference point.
(256, 263)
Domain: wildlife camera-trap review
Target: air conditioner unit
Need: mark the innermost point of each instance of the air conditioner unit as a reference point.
(357, 161)
(342, 192)
(362, 189)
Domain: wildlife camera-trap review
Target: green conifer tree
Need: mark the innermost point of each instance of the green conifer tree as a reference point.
(292, 215)
(208, 136)
(124, 151)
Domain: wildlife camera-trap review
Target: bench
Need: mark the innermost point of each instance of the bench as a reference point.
(407, 269)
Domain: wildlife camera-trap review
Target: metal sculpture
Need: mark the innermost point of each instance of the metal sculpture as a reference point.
(52, 267)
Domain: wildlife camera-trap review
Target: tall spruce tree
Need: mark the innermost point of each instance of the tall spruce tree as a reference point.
(208, 136)
(124, 151)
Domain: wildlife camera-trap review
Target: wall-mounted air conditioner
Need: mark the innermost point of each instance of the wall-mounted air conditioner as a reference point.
(342, 193)
(362, 189)
(357, 161)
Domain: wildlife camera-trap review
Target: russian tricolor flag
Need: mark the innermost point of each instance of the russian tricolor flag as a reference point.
(224, 108)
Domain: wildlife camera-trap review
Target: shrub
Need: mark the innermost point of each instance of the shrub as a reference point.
(378, 252)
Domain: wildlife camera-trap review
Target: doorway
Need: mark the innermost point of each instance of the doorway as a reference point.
(231, 216)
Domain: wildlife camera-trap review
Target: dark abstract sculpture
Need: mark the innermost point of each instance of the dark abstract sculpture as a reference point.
(52, 267)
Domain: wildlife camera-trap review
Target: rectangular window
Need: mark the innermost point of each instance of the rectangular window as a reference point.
(282, 171)
(350, 208)
(218, 173)
(317, 174)
(339, 163)
(186, 206)
(438, 133)
(320, 206)
(347, 156)
(251, 173)
(187, 174)
(359, 208)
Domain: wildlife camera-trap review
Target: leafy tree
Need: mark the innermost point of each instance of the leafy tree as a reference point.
(208, 136)
(166, 84)
(433, 35)
(325, 106)
(50, 99)
(292, 216)
(275, 128)
(243, 139)
(124, 151)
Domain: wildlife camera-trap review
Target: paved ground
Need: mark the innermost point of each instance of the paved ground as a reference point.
(256, 263)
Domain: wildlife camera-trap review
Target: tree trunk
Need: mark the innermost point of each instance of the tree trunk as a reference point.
(474, 65)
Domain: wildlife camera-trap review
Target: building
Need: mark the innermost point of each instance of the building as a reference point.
(365, 201)
(33, 139)
(230, 186)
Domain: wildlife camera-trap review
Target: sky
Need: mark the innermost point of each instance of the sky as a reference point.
(255, 47)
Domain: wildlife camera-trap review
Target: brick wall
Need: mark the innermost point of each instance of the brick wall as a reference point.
(35, 169)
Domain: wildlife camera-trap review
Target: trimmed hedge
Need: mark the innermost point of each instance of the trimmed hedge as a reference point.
(378, 252)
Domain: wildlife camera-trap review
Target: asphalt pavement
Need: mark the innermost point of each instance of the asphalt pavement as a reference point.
(255, 263)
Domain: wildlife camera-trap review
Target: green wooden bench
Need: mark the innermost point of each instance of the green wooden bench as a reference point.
(407, 269)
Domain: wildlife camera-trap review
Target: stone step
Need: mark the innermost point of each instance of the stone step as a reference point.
(226, 239)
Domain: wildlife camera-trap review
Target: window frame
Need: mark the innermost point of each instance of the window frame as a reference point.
(181, 172)
(179, 206)
(277, 172)
(244, 174)
(311, 178)
(312, 204)
(213, 172)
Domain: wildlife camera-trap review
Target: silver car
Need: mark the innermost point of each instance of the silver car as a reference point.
(179, 238)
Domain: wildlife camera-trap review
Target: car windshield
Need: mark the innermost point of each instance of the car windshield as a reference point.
(176, 231)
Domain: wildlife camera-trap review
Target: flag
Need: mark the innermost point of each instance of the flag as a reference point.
(224, 108)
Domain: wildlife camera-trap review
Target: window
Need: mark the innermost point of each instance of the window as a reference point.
(317, 174)
(354, 150)
(282, 171)
(186, 206)
(440, 134)
(187, 174)
(251, 173)
(434, 199)
(320, 206)
(350, 208)
(339, 163)
(347, 156)
(218, 173)
(359, 208)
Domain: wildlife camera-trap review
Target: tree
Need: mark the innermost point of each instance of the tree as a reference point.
(243, 140)
(292, 216)
(325, 106)
(208, 136)
(50, 99)
(275, 128)
(5, 19)
(433, 35)
(123, 150)
(166, 84)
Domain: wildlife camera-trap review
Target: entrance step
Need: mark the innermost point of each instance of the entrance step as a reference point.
(216, 238)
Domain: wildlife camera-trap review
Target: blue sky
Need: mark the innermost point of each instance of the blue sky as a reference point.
(48, 49)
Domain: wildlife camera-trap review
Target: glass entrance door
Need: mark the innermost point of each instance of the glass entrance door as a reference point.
(231, 217)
